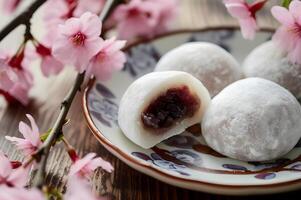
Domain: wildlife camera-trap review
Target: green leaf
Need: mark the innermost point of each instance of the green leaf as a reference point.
(44, 136)
(286, 3)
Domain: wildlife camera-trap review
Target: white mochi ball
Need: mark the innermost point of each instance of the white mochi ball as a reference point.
(160, 105)
(253, 120)
(209, 63)
(269, 62)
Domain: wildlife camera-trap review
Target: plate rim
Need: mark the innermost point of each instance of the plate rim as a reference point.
(149, 170)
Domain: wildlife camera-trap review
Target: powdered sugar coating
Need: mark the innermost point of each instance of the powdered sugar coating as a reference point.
(144, 91)
(253, 120)
(209, 63)
(269, 62)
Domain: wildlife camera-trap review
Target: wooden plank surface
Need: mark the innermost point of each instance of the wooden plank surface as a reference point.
(124, 183)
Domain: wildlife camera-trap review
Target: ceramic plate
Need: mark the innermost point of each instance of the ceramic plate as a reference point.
(185, 160)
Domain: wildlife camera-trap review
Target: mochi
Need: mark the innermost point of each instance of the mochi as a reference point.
(253, 120)
(159, 105)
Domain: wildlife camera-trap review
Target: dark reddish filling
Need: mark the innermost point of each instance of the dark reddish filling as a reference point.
(169, 107)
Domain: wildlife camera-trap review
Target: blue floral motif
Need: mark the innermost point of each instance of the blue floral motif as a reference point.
(234, 167)
(141, 59)
(104, 109)
(181, 141)
(216, 37)
(265, 176)
(164, 164)
(157, 160)
(296, 166)
(104, 91)
(187, 157)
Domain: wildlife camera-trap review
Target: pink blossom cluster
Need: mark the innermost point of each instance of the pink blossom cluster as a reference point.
(78, 44)
(73, 38)
(56, 12)
(15, 79)
(138, 18)
(141, 18)
(14, 175)
(287, 36)
(246, 15)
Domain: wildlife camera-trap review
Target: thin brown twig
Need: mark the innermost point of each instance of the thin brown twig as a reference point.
(56, 130)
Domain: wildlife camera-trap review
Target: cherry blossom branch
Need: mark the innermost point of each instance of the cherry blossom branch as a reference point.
(22, 18)
(43, 152)
(56, 130)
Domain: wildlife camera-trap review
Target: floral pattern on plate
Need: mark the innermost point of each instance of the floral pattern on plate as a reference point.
(141, 59)
(103, 107)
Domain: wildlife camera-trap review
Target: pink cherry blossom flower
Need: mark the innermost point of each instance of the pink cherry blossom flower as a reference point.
(109, 59)
(78, 41)
(93, 6)
(288, 35)
(49, 65)
(137, 18)
(12, 177)
(84, 167)
(168, 10)
(79, 189)
(56, 12)
(10, 6)
(245, 13)
(15, 80)
(10, 193)
(144, 18)
(31, 141)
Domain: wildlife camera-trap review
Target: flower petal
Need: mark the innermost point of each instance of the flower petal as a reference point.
(238, 10)
(35, 134)
(99, 162)
(295, 54)
(50, 66)
(5, 166)
(25, 130)
(91, 24)
(295, 8)
(283, 15)
(248, 28)
(19, 177)
(80, 164)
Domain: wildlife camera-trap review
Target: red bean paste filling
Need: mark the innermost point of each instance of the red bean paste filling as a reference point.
(170, 107)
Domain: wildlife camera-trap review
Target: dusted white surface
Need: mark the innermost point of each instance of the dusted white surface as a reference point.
(253, 120)
(269, 62)
(209, 63)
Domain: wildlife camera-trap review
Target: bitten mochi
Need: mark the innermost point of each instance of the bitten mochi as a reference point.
(269, 62)
(161, 104)
(253, 120)
(209, 63)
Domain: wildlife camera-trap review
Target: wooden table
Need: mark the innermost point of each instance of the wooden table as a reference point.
(124, 183)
